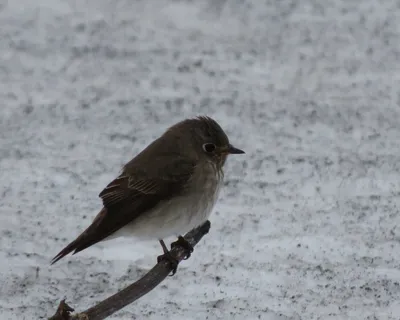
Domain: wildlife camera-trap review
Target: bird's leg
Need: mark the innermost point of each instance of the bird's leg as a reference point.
(167, 256)
(181, 242)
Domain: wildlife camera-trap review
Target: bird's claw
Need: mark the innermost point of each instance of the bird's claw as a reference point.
(181, 242)
(167, 256)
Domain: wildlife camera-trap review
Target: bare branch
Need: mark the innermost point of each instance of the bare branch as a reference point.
(63, 312)
(136, 290)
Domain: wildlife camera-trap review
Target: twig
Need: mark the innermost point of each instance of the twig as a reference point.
(63, 312)
(136, 290)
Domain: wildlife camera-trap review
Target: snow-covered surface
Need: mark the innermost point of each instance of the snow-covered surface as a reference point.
(307, 226)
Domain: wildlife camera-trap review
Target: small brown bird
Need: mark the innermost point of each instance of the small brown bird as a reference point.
(167, 189)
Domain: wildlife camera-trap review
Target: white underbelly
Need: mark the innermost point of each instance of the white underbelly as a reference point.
(172, 218)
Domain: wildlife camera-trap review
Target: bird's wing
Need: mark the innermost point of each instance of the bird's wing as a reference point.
(129, 196)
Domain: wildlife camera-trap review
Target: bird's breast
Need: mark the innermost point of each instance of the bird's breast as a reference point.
(206, 184)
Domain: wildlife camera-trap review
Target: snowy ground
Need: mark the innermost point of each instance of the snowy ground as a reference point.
(307, 226)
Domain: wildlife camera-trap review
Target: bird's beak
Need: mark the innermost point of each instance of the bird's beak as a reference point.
(233, 150)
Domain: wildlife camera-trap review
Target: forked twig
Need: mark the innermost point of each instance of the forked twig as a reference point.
(136, 290)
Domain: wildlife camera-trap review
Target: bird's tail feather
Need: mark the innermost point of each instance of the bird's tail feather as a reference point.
(85, 240)
(69, 248)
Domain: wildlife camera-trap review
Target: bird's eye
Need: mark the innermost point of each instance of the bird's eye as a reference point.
(209, 147)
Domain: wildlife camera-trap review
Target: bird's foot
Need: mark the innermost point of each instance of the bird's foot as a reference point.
(167, 256)
(181, 242)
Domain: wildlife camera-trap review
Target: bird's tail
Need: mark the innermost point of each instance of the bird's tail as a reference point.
(85, 240)
(68, 249)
